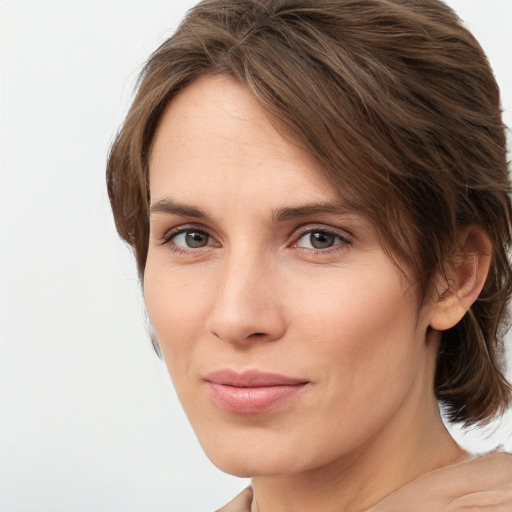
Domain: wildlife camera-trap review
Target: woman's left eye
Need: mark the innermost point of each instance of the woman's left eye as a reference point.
(320, 239)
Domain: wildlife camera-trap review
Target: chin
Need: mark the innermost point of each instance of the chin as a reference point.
(245, 467)
(259, 458)
(245, 463)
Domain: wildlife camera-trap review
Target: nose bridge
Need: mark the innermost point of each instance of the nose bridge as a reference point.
(245, 302)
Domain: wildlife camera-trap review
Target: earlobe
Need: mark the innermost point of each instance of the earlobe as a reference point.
(462, 280)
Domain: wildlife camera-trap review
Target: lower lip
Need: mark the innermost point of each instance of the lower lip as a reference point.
(251, 400)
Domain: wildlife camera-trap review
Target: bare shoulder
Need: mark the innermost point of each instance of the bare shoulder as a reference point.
(483, 483)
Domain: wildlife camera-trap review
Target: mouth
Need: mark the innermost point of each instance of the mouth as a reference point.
(251, 392)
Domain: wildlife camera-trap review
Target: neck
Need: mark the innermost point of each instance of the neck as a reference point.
(412, 444)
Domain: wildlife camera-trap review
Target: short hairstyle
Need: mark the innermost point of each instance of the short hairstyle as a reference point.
(397, 101)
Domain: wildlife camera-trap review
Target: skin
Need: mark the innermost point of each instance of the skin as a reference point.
(254, 293)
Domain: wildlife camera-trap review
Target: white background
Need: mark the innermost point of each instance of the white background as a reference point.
(88, 419)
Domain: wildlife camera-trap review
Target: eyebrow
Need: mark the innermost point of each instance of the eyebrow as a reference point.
(170, 207)
(173, 208)
(287, 213)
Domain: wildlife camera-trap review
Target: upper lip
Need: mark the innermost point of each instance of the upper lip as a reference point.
(251, 378)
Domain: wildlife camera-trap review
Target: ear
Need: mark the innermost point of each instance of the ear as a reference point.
(462, 280)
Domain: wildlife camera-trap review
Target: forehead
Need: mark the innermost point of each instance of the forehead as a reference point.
(215, 135)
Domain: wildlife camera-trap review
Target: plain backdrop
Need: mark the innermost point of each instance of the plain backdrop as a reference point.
(88, 418)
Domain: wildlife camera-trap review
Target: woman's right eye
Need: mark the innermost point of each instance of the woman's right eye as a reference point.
(189, 238)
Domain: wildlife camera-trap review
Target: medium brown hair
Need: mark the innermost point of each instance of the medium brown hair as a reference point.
(397, 100)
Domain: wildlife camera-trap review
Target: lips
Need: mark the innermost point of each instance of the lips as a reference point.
(251, 392)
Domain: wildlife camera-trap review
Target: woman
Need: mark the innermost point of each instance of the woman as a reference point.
(318, 200)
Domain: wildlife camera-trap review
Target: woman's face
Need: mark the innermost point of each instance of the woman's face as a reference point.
(291, 338)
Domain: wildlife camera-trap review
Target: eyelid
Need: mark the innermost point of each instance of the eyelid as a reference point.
(345, 235)
(182, 228)
(343, 240)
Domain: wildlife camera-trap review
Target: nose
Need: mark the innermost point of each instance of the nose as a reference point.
(247, 305)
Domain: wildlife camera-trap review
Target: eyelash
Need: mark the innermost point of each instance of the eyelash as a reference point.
(173, 233)
(342, 240)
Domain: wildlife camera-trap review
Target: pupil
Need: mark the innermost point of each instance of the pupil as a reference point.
(321, 240)
(196, 239)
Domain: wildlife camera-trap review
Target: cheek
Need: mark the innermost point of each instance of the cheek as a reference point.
(361, 310)
(176, 307)
(364, 330)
